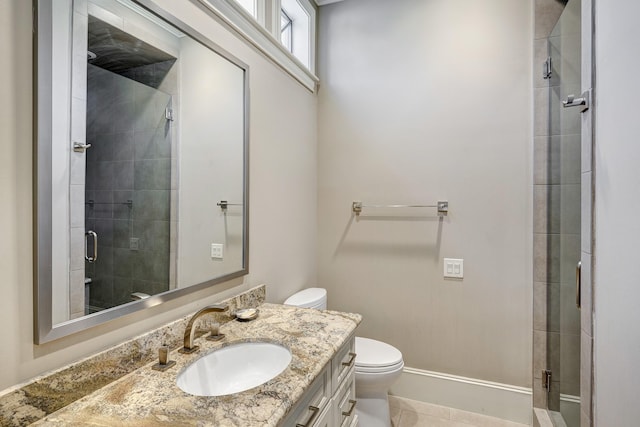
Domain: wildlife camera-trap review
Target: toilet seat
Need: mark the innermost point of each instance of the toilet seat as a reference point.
(309, 298)
(376, 356)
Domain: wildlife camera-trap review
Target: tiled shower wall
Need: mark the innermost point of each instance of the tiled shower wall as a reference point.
(557, 228)
(546, 238)
(128, 187)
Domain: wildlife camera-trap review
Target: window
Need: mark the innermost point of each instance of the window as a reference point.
(249, 6)
(286, 28)
(295, 34)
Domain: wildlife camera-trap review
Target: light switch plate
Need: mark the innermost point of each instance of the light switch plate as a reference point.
(453, 268)
(217, 250)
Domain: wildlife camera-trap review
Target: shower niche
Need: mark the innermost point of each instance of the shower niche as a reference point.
(142, 162)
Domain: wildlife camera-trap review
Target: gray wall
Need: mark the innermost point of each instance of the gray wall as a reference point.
(211, 159)
(422, 101)
(617, 230)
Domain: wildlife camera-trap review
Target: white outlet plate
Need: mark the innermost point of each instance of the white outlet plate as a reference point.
(134, 243)
(217, 250)
(453, 268)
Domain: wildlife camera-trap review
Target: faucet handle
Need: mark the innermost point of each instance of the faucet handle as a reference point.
(163, 362)
(215, 334)
(163, 354)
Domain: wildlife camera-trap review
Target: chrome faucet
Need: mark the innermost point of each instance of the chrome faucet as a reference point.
(190, 330)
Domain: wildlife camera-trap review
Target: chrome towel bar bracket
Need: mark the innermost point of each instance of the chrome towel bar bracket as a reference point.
(441, 206)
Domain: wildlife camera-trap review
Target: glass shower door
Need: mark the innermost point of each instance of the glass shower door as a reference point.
(127, 189)
(130, 168)
(564, 215)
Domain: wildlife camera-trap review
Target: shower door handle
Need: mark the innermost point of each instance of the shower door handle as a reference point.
(94, 256)
(578, 283)
(582, 102)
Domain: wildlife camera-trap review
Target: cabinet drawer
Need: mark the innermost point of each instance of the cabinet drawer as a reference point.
(342, 362)
(325, 419)
(312, 404)
(345, 401)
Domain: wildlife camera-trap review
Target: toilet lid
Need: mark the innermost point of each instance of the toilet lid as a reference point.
(372, 353)
(310, 297)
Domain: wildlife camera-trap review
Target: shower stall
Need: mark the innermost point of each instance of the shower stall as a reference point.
(558, 226)
(128, 177)
(563, 315)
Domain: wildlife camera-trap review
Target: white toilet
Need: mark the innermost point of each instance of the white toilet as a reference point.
(378, 366)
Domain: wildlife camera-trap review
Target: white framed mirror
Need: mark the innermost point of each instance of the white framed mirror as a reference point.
(141, 162)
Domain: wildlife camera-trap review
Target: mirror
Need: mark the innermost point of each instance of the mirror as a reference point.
(142, 162)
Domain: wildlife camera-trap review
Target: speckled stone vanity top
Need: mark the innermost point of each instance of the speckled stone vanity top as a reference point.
(150, 398)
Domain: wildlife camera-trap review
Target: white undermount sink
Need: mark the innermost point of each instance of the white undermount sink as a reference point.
(234, 368)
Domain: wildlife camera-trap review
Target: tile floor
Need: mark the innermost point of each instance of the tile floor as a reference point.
(411, 413)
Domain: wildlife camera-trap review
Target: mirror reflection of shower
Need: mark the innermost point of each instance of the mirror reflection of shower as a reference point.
(144, 131)
(128, 175)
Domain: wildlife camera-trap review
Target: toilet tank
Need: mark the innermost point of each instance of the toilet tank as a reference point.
(309, 298)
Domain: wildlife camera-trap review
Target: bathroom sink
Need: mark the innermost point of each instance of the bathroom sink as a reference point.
(234, 368)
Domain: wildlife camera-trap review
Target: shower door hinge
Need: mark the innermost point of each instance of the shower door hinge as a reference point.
(546, 379)
(79, 147)
(168, 114)
(546, 69)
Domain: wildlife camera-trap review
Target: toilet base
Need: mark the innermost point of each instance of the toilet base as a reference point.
(373, 410)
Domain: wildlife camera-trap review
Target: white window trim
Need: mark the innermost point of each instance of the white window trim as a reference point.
(308, 8)
(235, 16)
(254, 7)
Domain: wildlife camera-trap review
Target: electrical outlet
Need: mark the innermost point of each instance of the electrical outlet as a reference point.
(453, 268)
(134, 244)
(217, 250)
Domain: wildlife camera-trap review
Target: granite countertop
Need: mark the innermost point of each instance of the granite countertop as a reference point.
(150, 398)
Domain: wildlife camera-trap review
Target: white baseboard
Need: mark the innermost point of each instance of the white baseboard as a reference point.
(504, 401)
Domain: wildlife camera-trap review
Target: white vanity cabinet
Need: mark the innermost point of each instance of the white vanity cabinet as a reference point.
(331, 399)
(315, 401)
(344, 402)
(343, 382)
